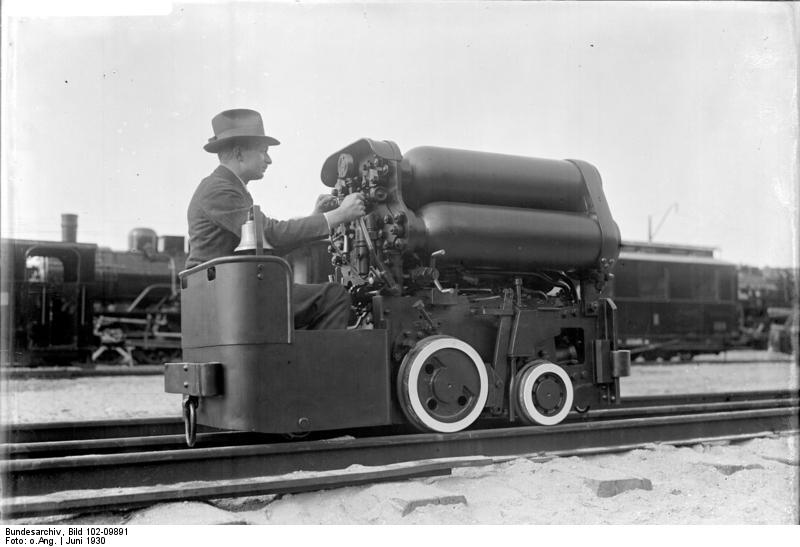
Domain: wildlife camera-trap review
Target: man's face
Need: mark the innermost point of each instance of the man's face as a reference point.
(254, 161)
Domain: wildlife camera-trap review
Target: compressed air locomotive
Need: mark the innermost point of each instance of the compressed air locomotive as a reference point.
(477, 288)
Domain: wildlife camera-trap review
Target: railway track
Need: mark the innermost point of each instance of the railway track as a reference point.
(717, 361)
(63, 372)
(90, 466)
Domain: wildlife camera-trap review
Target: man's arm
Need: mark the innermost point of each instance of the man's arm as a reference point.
(294, 232)
(229, 208)
(291, 233)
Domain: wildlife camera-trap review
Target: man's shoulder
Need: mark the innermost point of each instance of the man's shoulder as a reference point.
(222, 175)
(216, 182)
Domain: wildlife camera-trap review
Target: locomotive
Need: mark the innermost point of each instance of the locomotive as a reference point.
(477, 286)
(65, 302)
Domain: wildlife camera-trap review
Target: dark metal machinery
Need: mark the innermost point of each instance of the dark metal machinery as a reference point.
(477, 287)
(65, 301)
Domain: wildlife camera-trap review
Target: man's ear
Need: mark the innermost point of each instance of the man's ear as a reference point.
(237, 152)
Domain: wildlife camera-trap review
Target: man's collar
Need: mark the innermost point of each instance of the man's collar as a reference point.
(235, 176)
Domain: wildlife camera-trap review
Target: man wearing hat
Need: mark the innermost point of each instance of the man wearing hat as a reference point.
(221, 203)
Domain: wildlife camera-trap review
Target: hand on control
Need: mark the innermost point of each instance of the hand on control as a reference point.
(351, 208)
(325, 203)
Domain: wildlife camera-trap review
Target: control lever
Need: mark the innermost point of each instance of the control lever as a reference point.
(420, 307)
(382, 270)
(435, 272)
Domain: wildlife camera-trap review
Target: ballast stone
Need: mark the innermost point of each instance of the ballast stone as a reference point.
(185, 512)
(606, 482)
(730, 469)
(406, 497)
(243, 503)
(608, 488)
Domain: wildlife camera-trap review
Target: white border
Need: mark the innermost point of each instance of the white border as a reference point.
(446, 342)
(526, 387)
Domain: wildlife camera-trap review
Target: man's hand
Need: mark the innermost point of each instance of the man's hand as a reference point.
(351, 208)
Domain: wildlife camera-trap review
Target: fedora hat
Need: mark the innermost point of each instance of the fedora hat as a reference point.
(237, 124)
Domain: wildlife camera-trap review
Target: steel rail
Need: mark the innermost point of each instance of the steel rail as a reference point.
(30, 477)
(738, 361)
(158, 467)
(575, 439)
(59, 373)
(697, 398)
(78, 501)
(173, 425)
(230, 438)
(129, 498)
(25, 373)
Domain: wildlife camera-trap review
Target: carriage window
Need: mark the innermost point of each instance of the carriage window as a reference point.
(705, 282)
(680, 281)
(626, 281)
(652, 281)
(726, 285)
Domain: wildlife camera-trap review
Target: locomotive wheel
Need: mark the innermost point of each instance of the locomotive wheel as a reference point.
(544, 393)
(442, 384)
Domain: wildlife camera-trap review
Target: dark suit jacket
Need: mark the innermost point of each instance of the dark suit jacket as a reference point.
(217, 211)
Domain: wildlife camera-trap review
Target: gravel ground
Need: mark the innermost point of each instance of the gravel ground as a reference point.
(751, 482)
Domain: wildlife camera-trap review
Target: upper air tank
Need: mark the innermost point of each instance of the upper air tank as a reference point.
(431, 174)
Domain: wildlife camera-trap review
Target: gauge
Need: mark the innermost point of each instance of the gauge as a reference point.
(345, 166)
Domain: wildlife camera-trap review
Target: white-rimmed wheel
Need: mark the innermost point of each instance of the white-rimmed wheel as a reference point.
(544, 393)
(442, 384)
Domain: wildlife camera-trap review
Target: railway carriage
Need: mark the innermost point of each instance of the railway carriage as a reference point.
(675, 301)
(477, 290)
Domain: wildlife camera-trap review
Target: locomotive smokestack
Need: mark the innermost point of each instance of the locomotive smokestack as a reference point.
(69, 228)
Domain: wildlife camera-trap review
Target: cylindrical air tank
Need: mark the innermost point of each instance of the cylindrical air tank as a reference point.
(431, 174)
(507, 237)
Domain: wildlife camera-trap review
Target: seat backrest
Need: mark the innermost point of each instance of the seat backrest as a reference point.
(237, 300)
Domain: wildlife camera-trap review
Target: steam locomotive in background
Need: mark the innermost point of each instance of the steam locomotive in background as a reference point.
(65, 302)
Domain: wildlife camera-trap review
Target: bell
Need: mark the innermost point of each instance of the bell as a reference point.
(249, 244)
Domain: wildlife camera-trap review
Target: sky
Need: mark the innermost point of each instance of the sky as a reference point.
(688, 110)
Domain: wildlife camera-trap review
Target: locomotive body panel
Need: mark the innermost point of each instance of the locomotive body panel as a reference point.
(323, 380)
(237, 300)
(237, 312)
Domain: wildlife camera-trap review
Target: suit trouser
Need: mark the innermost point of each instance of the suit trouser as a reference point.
(322, 306)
